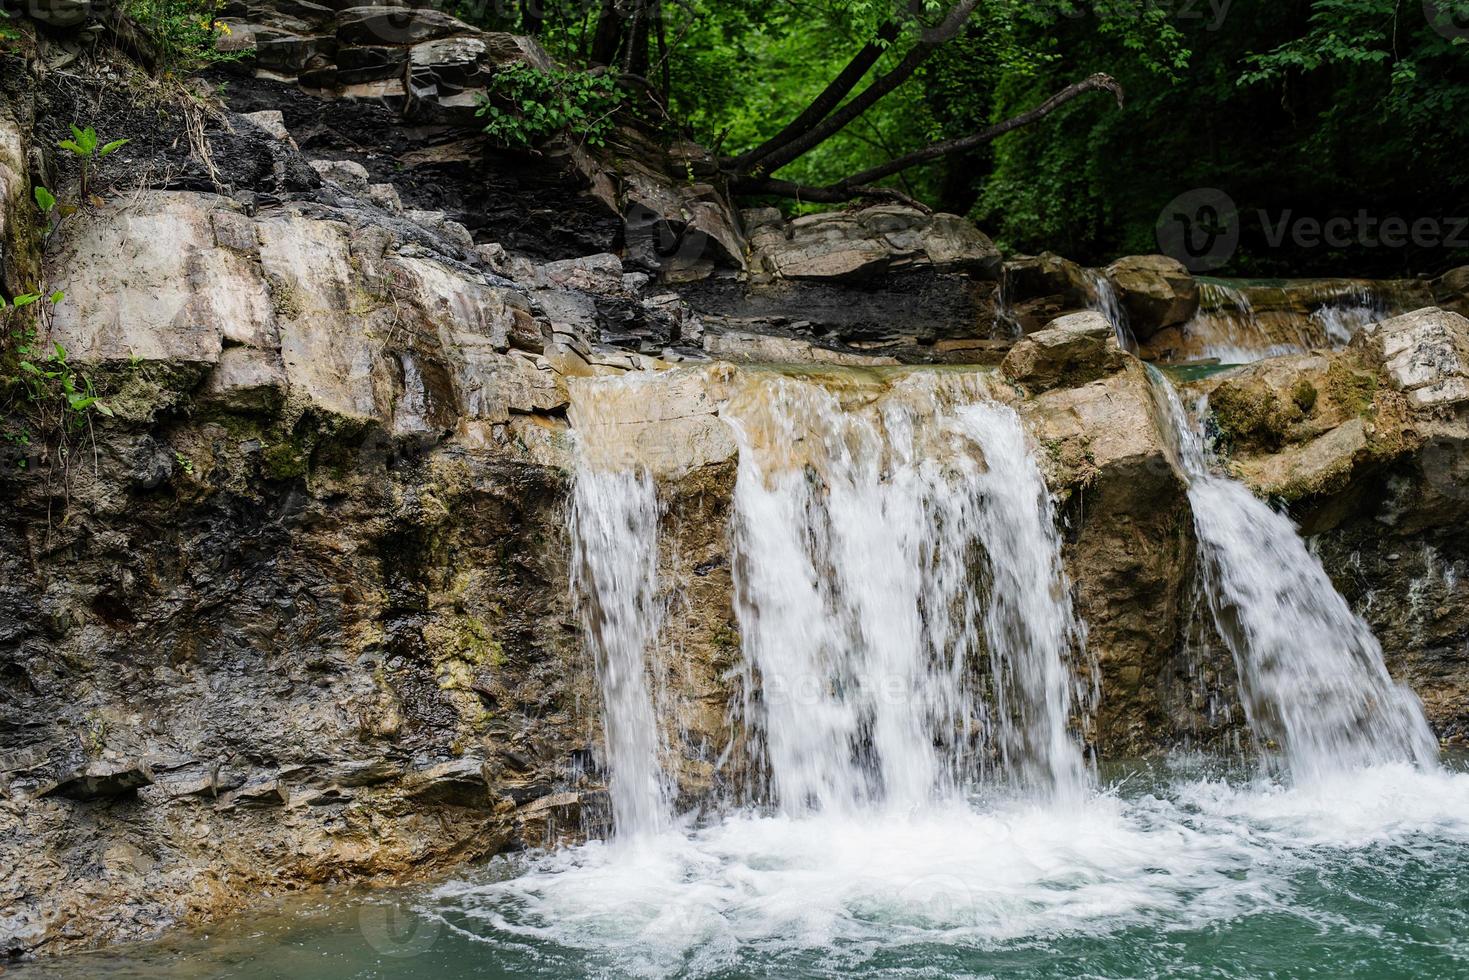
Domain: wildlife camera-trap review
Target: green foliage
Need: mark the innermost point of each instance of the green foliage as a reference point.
(526, 106)
(49, 400)
(7, 33)
(88, 149)
(186, 33)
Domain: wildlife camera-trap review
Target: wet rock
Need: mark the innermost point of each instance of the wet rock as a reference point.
(1128, 552)
(1040, 288)
(460, 782)
(99, 780)
(1070, 351)
(1157, 292)
(751, 348)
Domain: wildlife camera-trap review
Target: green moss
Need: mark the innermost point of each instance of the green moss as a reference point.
(1304, 395)
(283, 297)
(1354, 390)
(286, 461)
(1252, 416)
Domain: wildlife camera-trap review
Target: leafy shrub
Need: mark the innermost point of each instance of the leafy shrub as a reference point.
(186, 33)
(526, 106)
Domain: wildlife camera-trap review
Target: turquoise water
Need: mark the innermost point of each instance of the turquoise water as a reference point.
(1169, 872)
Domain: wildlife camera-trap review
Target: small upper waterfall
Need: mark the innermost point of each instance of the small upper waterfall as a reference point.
(1312, 676)
(614, 580)
(1239, 321)
(1104, 300)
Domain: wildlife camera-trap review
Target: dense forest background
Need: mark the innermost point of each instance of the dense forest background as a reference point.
(1296, 110)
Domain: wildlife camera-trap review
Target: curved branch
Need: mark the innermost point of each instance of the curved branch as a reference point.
(1096, 83)
(861, 185)
(830, 97)
(931, 40)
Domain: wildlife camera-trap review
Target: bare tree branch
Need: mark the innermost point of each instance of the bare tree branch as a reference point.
(931, 40)
(861, 185)
(831, 96)
(943, 148)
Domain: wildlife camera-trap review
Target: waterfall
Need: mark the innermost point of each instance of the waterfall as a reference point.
(862, 539)
(1312, 677)
(614, 581)
(1104, 300)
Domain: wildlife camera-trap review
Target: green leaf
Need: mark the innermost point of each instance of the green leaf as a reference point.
(114, 146)
(45, 200)
(25, 299)
(29, 368)
(103, 409)
(73, 147)
(57, 297)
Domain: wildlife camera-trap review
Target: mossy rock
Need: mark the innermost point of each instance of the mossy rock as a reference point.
(1252, 417)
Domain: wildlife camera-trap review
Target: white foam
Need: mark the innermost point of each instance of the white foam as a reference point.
(1194, 854)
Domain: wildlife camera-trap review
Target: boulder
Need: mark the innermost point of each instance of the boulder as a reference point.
(1040, 288)
(857, 245)
(1156, 291)
(350, 175)
(63, 13)
(1425, 354)
(1451, 290)
(396, 25)
(1070, 351)
(1128, 551)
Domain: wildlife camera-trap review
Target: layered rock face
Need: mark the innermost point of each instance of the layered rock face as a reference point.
(298, 611)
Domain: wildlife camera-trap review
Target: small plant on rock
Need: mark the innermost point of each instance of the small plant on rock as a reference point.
(86, 147)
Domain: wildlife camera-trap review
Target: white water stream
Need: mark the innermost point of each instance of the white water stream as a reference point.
(1312, 676)
(914, 661)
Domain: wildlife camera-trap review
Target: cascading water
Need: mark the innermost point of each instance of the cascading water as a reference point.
(1241, 321)
(614, 580)
(859, 537)
(1312, 676)
(1104, 300)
